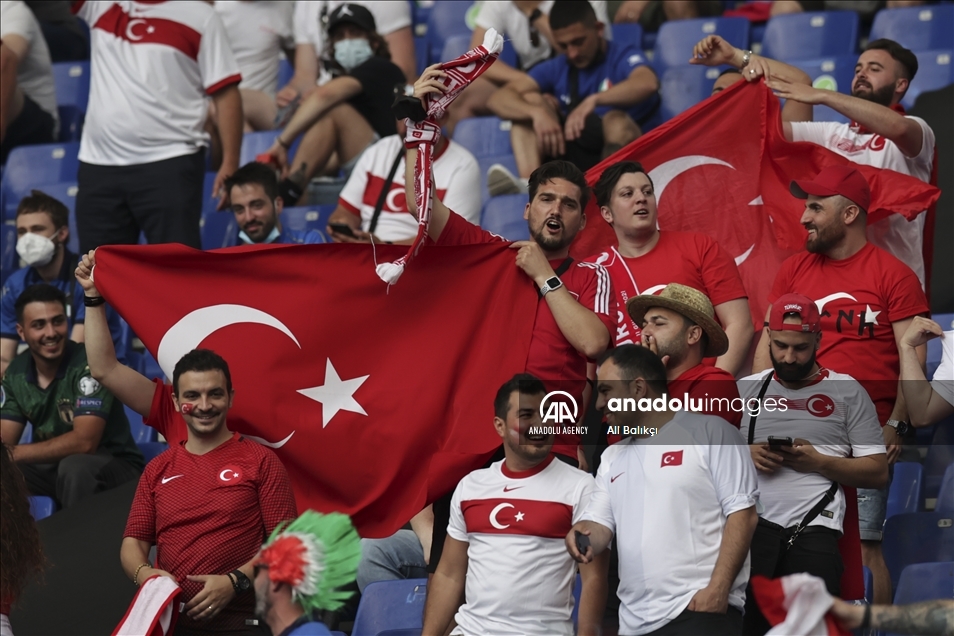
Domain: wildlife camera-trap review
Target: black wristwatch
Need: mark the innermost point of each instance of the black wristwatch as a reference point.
(900, 426)
(240, 582)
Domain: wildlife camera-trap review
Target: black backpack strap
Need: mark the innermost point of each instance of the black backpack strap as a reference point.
(826, 499)
(752, 417)
(385, 189)
(560, 271)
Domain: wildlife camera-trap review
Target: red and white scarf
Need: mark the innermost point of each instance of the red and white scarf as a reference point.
(425, 135)
(153, 610)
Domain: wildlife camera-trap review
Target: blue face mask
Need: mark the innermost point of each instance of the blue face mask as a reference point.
(271, 238)
(352, 53)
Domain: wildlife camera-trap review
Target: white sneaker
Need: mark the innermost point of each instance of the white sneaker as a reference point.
(502, 181)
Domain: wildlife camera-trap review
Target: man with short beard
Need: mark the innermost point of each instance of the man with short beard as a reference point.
(830, 434)
(866, 298)
(880, 134)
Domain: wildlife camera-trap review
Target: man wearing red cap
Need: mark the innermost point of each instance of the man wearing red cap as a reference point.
(810, 429)
(866, 299)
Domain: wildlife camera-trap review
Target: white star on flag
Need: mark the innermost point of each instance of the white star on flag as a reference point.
(519, 516)
(871, 317)
(335, 394)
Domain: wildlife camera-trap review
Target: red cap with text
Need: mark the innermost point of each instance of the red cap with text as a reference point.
(799, 305)
(844, 180)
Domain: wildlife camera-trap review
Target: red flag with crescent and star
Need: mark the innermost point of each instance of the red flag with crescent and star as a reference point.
(723, 168)
(376, 400)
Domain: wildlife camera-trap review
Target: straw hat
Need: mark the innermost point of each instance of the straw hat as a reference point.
(689, 302)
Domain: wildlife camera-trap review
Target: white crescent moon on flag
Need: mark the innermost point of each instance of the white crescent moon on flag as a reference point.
(196, 326)
(493, 516)
(129, 29)
(821, 302)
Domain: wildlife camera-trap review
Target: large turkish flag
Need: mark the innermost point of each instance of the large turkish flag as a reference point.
(723, 168)
(377, 400)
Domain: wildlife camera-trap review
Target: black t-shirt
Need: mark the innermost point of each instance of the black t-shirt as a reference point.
(378, 78)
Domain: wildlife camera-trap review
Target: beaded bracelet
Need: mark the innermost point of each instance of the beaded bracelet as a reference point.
(136, 575)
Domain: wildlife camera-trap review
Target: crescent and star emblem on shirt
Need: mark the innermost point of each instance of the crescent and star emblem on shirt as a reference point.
(493, 516)
(188, 333)
(820, 405)
(229, 474)
(821, 302)
(131, 35)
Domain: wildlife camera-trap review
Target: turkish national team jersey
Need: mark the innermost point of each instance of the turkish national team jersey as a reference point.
(836, 416)
(514, 524)
(456, 178)
(943, 380)
(552, 358)
(210, 514)
(894, 233)
(687, 258)
(858, 298)
(152, 66)
(666, 499)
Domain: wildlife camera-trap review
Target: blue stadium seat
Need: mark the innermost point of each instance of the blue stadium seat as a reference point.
(904, 495)
(833, 73)
(308, 218)
(390, 605)
(30, 166)
(869, 584)
(285, 72)
(420, 15)
(41, 507)
(149, 367)
(945, 495)
(71, 80)
(628, 33)
(919, 537)
(503, 215)
(209, 203)
(683, 87)
(140, 432)
(71, 122)
(150, 450)
(934, 71)
(254, 143)
(577, 590)
(676, 38)
(8, 250)
(65, 193)
(26, 437)
(940, 455)
(484, 136)
(916, 28)
(925, 582)
(811, 35)
(484, 163)
(410, 631)
(420, 53)
(455, 46)
(445, 19)
(218, 230)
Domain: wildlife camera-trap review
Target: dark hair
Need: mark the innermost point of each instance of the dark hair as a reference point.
(638, 362)
(908, 60)
(200, 360)
(39, 293)
(524, 383)
(21, 554)
(611, 176)
(688, 322)
(39, 201)
(559, 169)
(729, 71)
(568, 12)
(254, 173)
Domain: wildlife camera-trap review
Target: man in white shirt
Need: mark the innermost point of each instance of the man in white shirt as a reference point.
(142, 154)
(28, 112)
(810, 431)
(679, 495)
(880, 134)
(373, 201)
(928, 403)
(506, 550)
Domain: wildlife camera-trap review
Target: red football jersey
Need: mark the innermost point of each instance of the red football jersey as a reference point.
(552, 358)
(687, 258)
(210, 514)
(706, 383)
(859, 298)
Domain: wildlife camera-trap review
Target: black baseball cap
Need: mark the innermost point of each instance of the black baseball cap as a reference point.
(352, 14)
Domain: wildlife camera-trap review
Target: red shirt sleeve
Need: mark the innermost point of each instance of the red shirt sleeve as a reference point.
(905, 297)
(720, 274)
(141, 523)
(596, 294)
(460, 231)
(275, 493)
(163, 415)
(783, 280)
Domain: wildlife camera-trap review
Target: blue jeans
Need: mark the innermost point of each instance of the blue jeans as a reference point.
(399, 556)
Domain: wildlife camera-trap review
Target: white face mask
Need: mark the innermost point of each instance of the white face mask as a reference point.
(352, 53)
(35, 250)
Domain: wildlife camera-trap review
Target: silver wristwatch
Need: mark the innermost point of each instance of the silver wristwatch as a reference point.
(746, 56)
(899, 425)
(552, 283)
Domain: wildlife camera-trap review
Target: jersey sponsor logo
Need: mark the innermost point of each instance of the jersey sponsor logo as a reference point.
(615, 477)
(672, 458)
(166, 480)
(559, 411)
(87, 385)
(509, 488)
(230, 475)
(89, 403)
(65, 409)
(820, 405)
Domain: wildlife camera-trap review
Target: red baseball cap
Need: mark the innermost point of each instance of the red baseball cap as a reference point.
(803, 306)
(844, 180)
